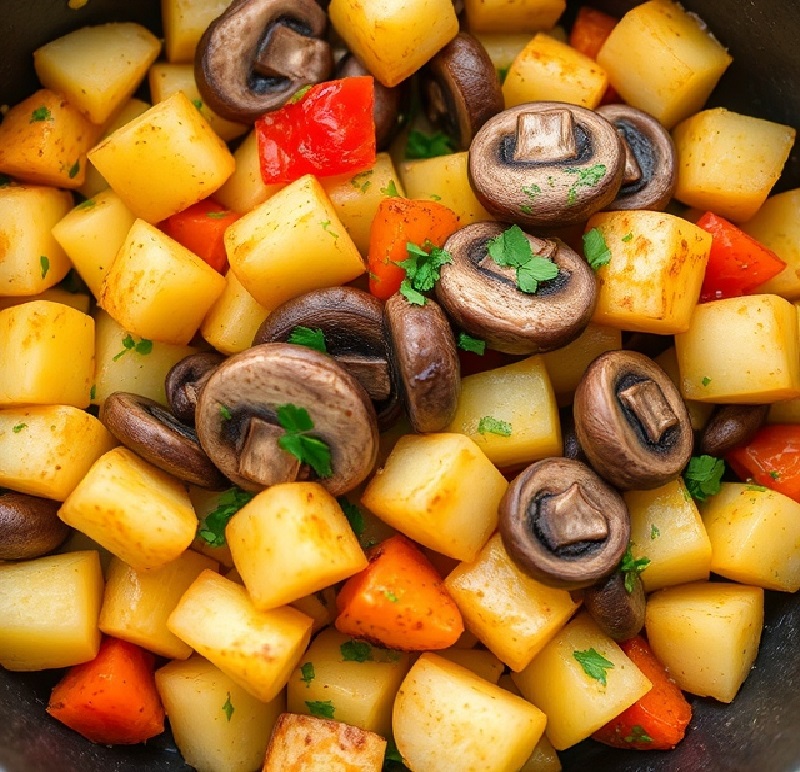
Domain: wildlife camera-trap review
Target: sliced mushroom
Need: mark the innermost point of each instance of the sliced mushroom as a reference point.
(563, 525)
(651, 169)
(483, 299)
(254, 56)
(424, 355)
(631, 421)
(460, 89)
(617, 612)
(546, 164)
(238, 427)
(730, 426)
(29, 526)
(184, 381)
(152, 432)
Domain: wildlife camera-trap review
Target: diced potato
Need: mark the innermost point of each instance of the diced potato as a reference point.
(556, 680)
(741, 350)
(257, 649)
(479, 661)
(513, 615)
(520, 395)
(320, 606)
(165, 160)
(729, 162)
(47, 356)
(441, 491)
(502, 48)
(291, 540)
(205, 502)
(706, 635)
(549, 70)
(158, 289)
(442, 705)
(217, 725)
(77, 300)
(48, 611)
(53, 450)
(301, 743)
(755, 536)
(666, 528)
(699, 412)
(652, 282)
(394, 38)
(662, 60)
(358, 680)
(184, 23)
(292, 243)
(31, 260)
(511, 16)
(80, 542)
(543, 759)
(137, 512)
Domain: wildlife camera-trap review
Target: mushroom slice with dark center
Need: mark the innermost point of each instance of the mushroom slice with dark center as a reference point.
(546, 164)
(460, 89)
(425, 358)
(563, 525)
(152, 432)
(184, 381)
(351, 322)
(731, 426)
(258, 53)
(29, 526)
(483, 299)
(617, 612)
(238, 417)
(651, 163)
(631, 421)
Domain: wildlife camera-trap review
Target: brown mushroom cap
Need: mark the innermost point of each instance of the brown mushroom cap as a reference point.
(29, 526)
(730, 426)
(631, 421)
(651, 171)
(152, 432)
(546, 164)
(563, 525)
(184, 381)
(482, 298)
(254, 56)
(237, 417)
(618, 613)
(460, 89)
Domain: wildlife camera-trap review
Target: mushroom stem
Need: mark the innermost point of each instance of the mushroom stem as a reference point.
(371, 372)
(650, 407)
(546, 136)
(289, 54)
(261, 460)
(570, 518)
(633, 172)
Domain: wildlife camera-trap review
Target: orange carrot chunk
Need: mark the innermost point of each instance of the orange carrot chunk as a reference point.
(112, 699)
(588, 33)
(399, 601)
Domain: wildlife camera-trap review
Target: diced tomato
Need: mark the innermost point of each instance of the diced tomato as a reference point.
(588, 33)
(327, 130)
(771, 458)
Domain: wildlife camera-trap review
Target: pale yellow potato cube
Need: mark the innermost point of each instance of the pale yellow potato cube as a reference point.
(292, 243)
(549, 70)
(291, 540)
(77, 300)
(663, 60)
(543, 759)
(729, 162)
(652, 282)
(185, 21)
(706, 635)
(257, 649)
(320, 606)
(441, 491)
(47, 355)
(53, 450)
(667, 530)
(479, 661)
(205, 502)
(741, 350)
(699, 412)
(217, 725)
(48, 611)
(513, 615)
(575, 703)
(502, 48)
(442, 705)
(31, 260)
(158, 289)
(165, 160)
(137, 512)
(513, 17)
(394, 38)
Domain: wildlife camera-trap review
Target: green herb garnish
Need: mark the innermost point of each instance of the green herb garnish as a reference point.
(631, 568)
(306, 449)
(595, 249)
(212, 529)
(224, 412)
(593, 664)
(654, 532)
(143, 347)
(299, 94)
(74, 169)
(307, 673)
(227, 708)
(361, 182)
(218, 215)
(44, 264)
(638, 735)
(353, 515)
(586, 178)
(755, 487)
(421, 145)
(18, 428)
(321, 709)
(392, 754)
(41, 114)
(775, 475)
(489, 425)
(468, 343)
(93, 392)
(390, 596)
(512, 249)
(87, 204)
(502, 74)
(310, 338)
(422, 270)
(706, 380)
(356, 651)
(198, 103)
(326, 226)
(391, 190)
(703, 475)
(627, 237)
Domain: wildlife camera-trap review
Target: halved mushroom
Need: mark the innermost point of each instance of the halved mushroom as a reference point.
(617, 612)
(184, 381)
(631, 421)
(152, 432)
(651, 169)
(460, 89)
(29, 526)
(483, 299)
(563, 525)
(546, 164)
(254, 56)
(424, 355)
(730, 426)
(237, 418)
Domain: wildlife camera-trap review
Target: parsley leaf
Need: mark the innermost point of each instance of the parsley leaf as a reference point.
(218, 215)
(654, 532)
(321, 709)
(627, 237)
(89, 203)
(489, 425)
(308, 450)
(93, 392)
(391, 190)
(759, 488)
(539, 269)
(423, 270)
(198, 104)
(41, 114)
(595, 249)
(353, 515)
(356, 651)
(143, 347)
(631, 568)
(775, 475)
(706, 380)
(392, 754)
(212, 528)
(512, 249)
(74, 169)
(18, 428)
(502, 74)
(410, 294)
(307, 674)
(703, 475)
(225, 412)
(44, 264)
(390, 596)
(593, 664)
(361, 182)
(421, 145)
(227, 708)
(299, 94)
(638, 735)
(326, 226)
(468, 343)
(310, 338)
(586, 178)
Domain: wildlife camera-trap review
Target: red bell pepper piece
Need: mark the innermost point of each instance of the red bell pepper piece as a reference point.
(326, 130)
(588, 33)
(201, 228)
(737, 263)
(771, 458)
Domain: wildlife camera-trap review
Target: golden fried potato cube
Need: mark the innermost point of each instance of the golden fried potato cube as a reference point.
(77, 300)
(185, 21)
(513, 16)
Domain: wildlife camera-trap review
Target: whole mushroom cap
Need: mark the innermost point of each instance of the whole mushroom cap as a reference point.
(30, 526)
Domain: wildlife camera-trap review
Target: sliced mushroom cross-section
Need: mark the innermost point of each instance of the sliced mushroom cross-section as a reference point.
(184, 381)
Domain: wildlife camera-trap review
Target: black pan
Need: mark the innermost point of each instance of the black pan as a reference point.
(760, 731)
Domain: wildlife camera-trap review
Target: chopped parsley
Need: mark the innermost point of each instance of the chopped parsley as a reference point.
(321, 709)
(390, 596)
(361, 180)
(198, 103)
(326, 226)
(421, 145)
(44, 264)
(512, 249)
(224, 412)
(595, 249)
(759, 488)
(391, 190)
(87, 204)
(654, 532)
(706, 380)
(308, 450)
(422, 271)
(218, 215)
(307, 673)
(703, 475)
(356, 651)
(74, 169)
(502, 74)
(627, 237)
(468, 343)
(489, 425)
(593, 664)
(638, 735)
(775, 475)
(299, 94)
(93, 391)
(586, 178)
(435, 197)
(143, 347)
(227, 708)
(631, 568)
(18, 428)
(310, 338)
(392, 754)
(212, 528)
(41, 114)
(353, 515)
